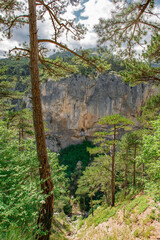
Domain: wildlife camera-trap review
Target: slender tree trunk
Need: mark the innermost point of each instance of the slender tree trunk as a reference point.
(46, 211)
(125, 181)
(84, 205)
(142, 173)
(7, 124)
(108, 195)
(19, 139)
(107, 198)
(91, 205)
(19, 136)
(22, 133)
(134, 167)
(113, 170)
(126, 174)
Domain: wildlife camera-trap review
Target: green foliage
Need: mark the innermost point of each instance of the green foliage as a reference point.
(15, 232)
(56, 69)
(138, 71)
(20, 194)
(150, 112)
(95, 63)
(87, 183)
(126, 31)
(116, 63)
(19, 68)
(76, 158)
(102, 214)
(139, 203)
(144, 203)
(150, 155)
(80, 224)
(128, 26)
(116, 119)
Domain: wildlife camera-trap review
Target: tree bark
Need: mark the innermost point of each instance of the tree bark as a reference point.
(142, 173)
(113, 170)
(108, 196)
(19, 132)
(125, 181)
(91, 205)
(105, 195)
(134, 167)
(46, 211)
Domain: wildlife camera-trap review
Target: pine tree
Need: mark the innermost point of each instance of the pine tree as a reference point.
(87, 184)
(107, 140)
(14, 14)
(128, 29)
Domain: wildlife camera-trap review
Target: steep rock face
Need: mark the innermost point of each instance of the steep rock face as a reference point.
(73, 106)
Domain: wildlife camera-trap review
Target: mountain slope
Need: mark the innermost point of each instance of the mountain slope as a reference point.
(132, 219)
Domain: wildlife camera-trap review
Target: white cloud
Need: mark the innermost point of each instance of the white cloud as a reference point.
(6, 45)
(69, 14)
(93, 10)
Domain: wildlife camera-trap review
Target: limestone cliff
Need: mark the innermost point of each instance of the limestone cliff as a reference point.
(73, 106)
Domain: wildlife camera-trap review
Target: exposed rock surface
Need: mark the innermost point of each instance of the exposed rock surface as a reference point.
(73, 106)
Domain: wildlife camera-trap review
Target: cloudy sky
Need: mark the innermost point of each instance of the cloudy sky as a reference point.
(87, 12)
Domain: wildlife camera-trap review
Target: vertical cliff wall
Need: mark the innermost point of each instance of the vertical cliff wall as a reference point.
(73, 106)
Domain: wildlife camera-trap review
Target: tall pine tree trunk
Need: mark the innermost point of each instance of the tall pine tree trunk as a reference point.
(126, 174)
(125, 180)
(113, 170)
(108, 196)
(134, 167)
(92, 205)
(46, 211)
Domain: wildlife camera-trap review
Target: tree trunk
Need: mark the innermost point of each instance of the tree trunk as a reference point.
(134, 167)
(142, 173)
(113, 170)
(22, 133)
(19, 132)
(46, 211)
(107, 199)
(91, 205)
(108, 195)
(125, 180)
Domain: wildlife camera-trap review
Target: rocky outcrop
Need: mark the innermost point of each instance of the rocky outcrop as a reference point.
(73, 106)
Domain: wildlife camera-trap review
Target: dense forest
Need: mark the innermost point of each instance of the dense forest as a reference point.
(46, 195)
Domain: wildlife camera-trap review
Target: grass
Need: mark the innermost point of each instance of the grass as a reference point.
(140, 202)
(60, 228)
(80, 223)
(16, 233)
(127, 215)
(58, 236)
(143, 204)
(147, 233)
(101, 214)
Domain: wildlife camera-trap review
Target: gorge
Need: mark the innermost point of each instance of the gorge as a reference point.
(72, 107)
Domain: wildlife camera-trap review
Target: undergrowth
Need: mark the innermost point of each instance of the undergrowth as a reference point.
(127, 214)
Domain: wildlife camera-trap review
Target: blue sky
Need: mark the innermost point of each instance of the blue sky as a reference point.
(78, 13)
